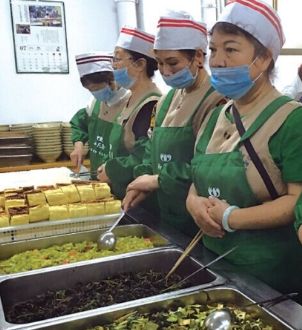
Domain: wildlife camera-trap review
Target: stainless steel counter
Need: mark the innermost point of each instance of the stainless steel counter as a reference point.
(289, 311)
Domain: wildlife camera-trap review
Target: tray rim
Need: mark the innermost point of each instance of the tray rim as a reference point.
(84, 262)
(9, 326)
(136, 304)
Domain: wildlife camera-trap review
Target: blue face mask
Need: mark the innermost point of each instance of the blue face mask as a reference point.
(104, 94)
(233, 82)
(180, 79)
(122, 78)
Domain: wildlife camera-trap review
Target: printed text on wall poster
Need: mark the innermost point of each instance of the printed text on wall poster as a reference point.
(39, 36)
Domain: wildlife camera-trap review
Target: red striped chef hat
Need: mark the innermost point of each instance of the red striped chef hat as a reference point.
(136, 40)
(178, 31)
(257, 18)
(94, 62)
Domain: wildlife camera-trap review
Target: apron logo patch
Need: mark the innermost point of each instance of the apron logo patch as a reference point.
(215, 192)
(99, 144)
(165, 157)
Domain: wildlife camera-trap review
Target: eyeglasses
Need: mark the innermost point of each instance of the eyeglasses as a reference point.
(117, 60)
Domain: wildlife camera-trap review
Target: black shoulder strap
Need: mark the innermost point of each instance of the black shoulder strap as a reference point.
(254, 156)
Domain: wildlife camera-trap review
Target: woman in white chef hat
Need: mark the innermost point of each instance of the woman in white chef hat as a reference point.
(180, 47)
(93, 124)
(134, 66)
(247, 167)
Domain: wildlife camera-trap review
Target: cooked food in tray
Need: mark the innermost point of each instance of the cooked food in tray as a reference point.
(185, 317)
(63, 201)
(4, 219)
(19, 215)
(69, 253)
(86, 296)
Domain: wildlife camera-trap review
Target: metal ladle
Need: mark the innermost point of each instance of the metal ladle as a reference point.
(107, 240)
(222, 319)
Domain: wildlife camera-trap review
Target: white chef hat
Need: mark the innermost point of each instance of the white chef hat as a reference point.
(257, 18)
(136, 40)
(94, 62)
(178, 30)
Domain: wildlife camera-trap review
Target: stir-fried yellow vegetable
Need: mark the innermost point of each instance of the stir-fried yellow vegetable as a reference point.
(68, 253)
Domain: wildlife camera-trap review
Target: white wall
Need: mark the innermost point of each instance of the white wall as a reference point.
(153, 9)
(25, 98)
(91, 25)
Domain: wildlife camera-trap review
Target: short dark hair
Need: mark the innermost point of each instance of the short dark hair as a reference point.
(229, 28)
(97, 78)
(151, 66)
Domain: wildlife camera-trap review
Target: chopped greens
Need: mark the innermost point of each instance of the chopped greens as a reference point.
(181, 318)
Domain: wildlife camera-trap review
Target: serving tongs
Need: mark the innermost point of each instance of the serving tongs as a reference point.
(83, 174)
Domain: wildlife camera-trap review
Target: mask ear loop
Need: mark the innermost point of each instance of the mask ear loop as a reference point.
(196, 74)
(259, 74)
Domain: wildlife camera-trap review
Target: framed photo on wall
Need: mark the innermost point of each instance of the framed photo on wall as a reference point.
(39, 34)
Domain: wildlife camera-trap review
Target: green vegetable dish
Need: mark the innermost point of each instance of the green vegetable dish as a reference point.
(68, 253)
(188, 317)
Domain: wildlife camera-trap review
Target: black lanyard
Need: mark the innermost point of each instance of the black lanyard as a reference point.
(254, 156)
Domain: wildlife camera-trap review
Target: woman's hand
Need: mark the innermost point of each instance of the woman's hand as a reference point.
(133, 198)
(217, 209)
(76, 155)
(102, 175)
(198, 208)
(144, 183)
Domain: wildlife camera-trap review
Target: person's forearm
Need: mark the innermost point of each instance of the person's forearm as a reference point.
(277, 213)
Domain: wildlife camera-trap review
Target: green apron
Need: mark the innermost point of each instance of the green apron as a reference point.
(117, 147)
(98, 131)
(176, 145)
(272, 255)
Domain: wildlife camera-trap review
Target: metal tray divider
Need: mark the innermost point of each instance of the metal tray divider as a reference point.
(133, 229)
(142, 304)
(59, 227)
(219, 281)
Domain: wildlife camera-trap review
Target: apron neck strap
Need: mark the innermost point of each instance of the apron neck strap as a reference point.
(164, 107)
(167, 101)
(138, 105)
(96, 108)
(209, 92)
(264, 115)
(205, 137)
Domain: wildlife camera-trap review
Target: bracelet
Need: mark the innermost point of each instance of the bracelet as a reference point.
(225, 218)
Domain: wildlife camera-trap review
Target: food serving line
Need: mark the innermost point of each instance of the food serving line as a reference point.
(219, 284)
(288, 311)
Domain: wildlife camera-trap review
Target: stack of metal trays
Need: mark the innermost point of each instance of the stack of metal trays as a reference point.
(15, 149)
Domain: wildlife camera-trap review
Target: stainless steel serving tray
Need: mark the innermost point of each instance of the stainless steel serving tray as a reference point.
(223, 294)
(21, 287)
(9, 249)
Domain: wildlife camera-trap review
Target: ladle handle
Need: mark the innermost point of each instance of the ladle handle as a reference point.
(275, 300)
(117, 220)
